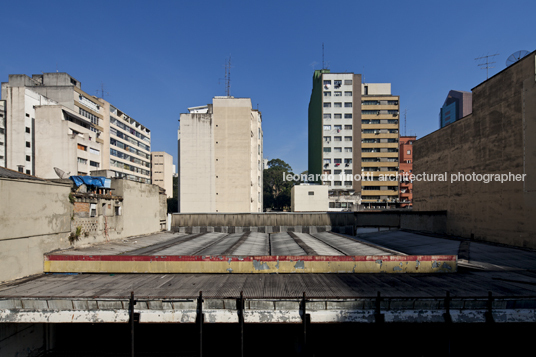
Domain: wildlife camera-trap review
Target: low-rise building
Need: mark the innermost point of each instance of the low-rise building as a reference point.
(309, 198)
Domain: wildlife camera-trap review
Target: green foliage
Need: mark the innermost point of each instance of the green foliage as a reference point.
(71, 198)
(276, 193)
(73, 237)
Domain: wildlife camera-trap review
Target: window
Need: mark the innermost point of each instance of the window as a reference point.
(347, 105)
(337, 149)
(337, 105)
(326, 172)
(347, 127)
(347, 172)
(338, 94)
(392, 140)
(327, 82)
(392, 102)
(347, 116)
(327, 105)
(365, 90)
(392, 121)
(370, 102)
(94, 151)
(327, 161)
(28, 172)
(337, 138)
(337, 83)
(27, 130)
(347, 149)
(409, 152)
(117, 210)
(327, 116)
(327, 149)
(327, 138)
(337, 172)
(347, 161)
(81, 147)
(82, 161)
(327, 94)
(392, 112)
(28, 144)
(327, 127)
(311, 193)
(370, 112)
(347, 183)
(347, 138)
(348, 82)
(337, 116)
(259, 150)
(28, 158)
(94, 164)
(337, 183)
(332, 205)
(337, 127)
(337, 161)
(93, 210)
(27, 115)
(347, 94)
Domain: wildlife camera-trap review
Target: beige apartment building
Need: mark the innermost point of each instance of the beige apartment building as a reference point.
(162, 171)
(51, 122)
(220, 157)
(353, 130)
(2, 133)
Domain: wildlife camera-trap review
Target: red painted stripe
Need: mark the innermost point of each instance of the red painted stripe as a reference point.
(264, 258)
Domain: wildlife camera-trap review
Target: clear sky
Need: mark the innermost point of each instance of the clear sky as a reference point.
(157, 58)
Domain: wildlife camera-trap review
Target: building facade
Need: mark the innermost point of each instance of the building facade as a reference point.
(220, 157)
(309, 198)
(353, 132)
(162, 171)
(457, 105)
(489, 158)
(52, 123)
(405, 197)
(2, 133)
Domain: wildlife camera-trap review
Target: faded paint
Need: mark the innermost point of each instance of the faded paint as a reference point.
(249, 264)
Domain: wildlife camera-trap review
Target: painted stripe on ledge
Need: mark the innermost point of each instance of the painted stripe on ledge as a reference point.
(250, 258)
(248, 265)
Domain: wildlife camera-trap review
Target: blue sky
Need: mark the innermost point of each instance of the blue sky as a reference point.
(158, 58)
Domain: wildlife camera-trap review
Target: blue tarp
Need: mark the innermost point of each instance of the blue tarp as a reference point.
(97, 181)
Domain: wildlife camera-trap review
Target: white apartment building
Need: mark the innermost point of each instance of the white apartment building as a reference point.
(220, 157)
(163, 171)
(353, 129)
(50, 122)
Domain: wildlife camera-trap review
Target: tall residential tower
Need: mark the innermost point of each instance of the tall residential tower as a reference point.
(353, 130)
(220, 157)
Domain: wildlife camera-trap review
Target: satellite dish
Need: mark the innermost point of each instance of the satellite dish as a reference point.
(516, 56)
(62, 174)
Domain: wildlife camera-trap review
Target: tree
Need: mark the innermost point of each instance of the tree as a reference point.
(276, 188)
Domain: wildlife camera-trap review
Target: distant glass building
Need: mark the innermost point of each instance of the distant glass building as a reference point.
(457, 105)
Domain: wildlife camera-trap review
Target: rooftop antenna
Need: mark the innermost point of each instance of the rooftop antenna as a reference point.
(487, 63)
(228, 77)
(516, 56)
(102, 92)
(323, 63)
(405, 113)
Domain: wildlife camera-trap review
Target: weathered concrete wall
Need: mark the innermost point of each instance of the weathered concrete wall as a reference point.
(141, 207)
(35, 219)
(309, 198)
(343, 222)
(498, 138)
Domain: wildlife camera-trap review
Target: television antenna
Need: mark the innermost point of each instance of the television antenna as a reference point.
(516, 56)
(102, 92)
(228, 77)
(487, 63)
(405, 113)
